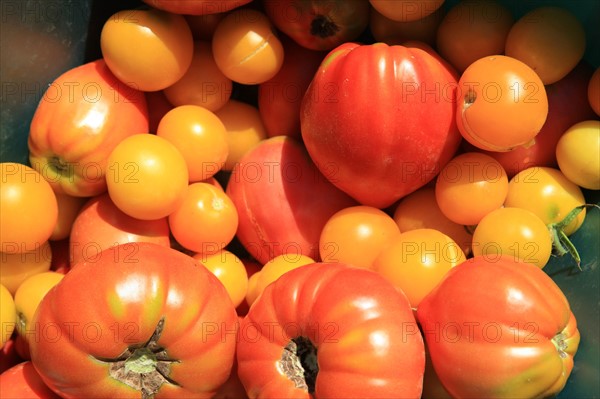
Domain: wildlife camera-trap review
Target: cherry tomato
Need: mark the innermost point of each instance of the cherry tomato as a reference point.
(470, 186)
(230, 271)
(203, 84)
(548, 193)
(472, 30)
(200, 136)
(578, 154)
(246, 48)
(17, 267)
(8, 315)
(550, 39)
(406, 10)
(501, 103)
(417, 260)
(356, 235)
(594, 91)
(514, 232)
(206, 221)
(28, 207)
(147, 176)
(147, 49)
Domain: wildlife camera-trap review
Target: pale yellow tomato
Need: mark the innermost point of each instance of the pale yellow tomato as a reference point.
(230, 271)
(578, 154)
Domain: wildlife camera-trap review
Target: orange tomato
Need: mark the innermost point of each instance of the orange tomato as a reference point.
(550, 40)
(203, 84)
(594, 91)
(147, 49)
(68, 208)
(17, 267)
(206, 221)
(28, 207)
(230, 271)
(246, 48)
(147, 176)
(393, 32)
(8, 315)
(578, 154)
(356, 235)
(472, 30)
(200, 137)
(245, 129)
(203, 26)
(501, 103)
(406, 10)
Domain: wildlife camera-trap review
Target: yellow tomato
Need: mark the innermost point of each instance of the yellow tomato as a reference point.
(28, 207)
(397, 32)
(147, 176)
(149, 49)
(230, 271)
(8, 315)
(578, 154)
(406, 10)
(16, 268)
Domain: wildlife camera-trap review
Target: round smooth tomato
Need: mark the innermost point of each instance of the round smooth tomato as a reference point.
(147, 176)
(155, 323)
(393, 32)
(147, 49)
(356, 235)
(578, 154)
(8, 315)
(548, 193)
(206, 221)
(513, 232)
(417, 260)
(17, 267)
(470, 186)
(406, 10)
(230, 271)
(28, 207)
(200, 136)
(24, 382)
(501, 103)
(331, 330)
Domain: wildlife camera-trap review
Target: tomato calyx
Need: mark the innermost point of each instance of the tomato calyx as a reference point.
(60, 167)
(299, 363)
(146, 367)
(323, 27)
(560, 342)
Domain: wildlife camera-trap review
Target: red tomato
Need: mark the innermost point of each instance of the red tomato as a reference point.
(82, 116)
(9, 356)
(196, 7)
(22, 381)
(514, 333)
(155, 321)
(383, 117)
(333, 331)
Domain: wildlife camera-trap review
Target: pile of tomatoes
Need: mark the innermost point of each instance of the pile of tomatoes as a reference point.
(284, 198)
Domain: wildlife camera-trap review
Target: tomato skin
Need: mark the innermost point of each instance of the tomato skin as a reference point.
(517, 339)
(82, 116)
(136, 285)
(196, 7)
(384, 116)
(578, 154)
(347, 313)
(23, 381)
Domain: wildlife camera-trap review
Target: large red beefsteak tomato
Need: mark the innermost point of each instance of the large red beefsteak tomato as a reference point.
(329, 330)
(142, 321)
(384, 116)
(499, 328)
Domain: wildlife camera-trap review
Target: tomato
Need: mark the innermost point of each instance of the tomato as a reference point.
(203, 26)
(163, 44)
(271, 271)
(550, 39)
(501, 103)
(82, 116)
(158, 106)
(473, 30)
(68, 208)
(393, 32)
(356, 235)
(155, 321)
(548, 193)
(8, 315)
(331, 330)
(417, 260)
(101, 225)
(8, 354)
(406, 10)
(319, 25)
(203, 84)
(383, 117)
(28, 206)
(421, 210)
(230, 271)
(594, 91)
(196, 7)
(22, 381)
(245, 129)
(470, 186)
(17, 267)
(514, 333)
(513, 232)
(206, 221)
(578, 154)
(245, 47)
(200, 136)
(147, 176)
